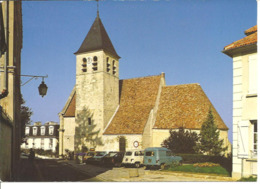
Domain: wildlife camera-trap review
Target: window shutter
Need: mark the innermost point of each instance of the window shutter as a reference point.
(242, 134)
(252, 63)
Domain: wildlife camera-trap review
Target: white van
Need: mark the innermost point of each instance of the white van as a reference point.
(133, 157)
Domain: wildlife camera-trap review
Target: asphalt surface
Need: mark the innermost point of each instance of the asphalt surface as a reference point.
(49, 170)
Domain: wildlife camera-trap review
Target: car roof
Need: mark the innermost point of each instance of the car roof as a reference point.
(156, 148)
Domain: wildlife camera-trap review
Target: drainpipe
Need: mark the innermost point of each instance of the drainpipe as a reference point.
(4, 93)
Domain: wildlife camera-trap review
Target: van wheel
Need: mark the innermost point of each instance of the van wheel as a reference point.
(137, 165)
(162, 166)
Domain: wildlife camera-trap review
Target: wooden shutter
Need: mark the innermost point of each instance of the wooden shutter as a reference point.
(243, 137)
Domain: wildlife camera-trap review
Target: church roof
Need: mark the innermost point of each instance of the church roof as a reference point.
(97, 39)
(185, 105)
(179, 105)
(249, 39)
(137, 99)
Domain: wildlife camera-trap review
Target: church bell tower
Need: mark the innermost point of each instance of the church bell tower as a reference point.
(97, 76)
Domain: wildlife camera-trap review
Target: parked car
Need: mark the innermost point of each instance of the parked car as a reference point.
(113, 159)
(133, 158)
(159, 157)
(89, 155)
(98, 157)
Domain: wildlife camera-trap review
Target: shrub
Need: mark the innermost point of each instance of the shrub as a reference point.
(248, 179)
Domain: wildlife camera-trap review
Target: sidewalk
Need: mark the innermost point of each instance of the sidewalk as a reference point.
(141, 175)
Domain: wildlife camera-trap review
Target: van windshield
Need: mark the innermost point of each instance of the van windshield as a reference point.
(128, 153)
(149, 153)
(101, 153)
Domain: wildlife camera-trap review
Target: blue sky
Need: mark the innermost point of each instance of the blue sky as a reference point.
(183, 38)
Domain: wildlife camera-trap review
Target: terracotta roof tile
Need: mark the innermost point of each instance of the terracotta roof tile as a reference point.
(250, 39)
(251, 30)
(70, 112)
(184, 105)
(137, 98)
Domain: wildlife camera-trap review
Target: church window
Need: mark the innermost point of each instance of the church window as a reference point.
(95, 64)
(108, 65)
(255, 139)
(122, 144)
(89, 121)
(84, 65)
(51, 142)
(114, 67)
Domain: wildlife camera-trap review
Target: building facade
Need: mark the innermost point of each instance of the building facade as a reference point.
(42, 136)
(244, 55)
(10, 94)
(106, 113)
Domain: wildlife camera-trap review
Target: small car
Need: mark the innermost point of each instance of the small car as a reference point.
(89, 155)
(98, 157)
(133, 158)
(113, 159)
(159, 157)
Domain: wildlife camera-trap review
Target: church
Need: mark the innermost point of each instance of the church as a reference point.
(104, 113)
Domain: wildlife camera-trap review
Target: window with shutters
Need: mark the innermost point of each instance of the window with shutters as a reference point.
(114, 67)
(108, 64)
(95, 64)
(42, 143)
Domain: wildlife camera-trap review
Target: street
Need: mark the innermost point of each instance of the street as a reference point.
(48, 170)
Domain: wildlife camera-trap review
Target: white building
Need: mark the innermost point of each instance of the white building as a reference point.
(40, 136)
(244, 54)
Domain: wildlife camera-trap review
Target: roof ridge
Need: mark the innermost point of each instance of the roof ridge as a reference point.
(142, 77)
(182, 84)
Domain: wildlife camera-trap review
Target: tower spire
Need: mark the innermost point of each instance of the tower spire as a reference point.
(97, 8)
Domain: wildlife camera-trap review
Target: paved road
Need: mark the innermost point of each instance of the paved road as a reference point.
(42, 170)
(63, 170)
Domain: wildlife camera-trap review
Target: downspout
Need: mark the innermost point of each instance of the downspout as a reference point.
(4, 93)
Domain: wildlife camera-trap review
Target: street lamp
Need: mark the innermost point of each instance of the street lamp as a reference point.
(42, 87)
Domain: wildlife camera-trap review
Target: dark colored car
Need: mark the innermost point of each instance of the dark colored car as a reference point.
(113, 159)
(89, 155)
(97, 158)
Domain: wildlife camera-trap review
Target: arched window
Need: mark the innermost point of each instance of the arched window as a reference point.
(108, 64)
(84, 65)
(95, 64)
(114, 67)
(122, 144)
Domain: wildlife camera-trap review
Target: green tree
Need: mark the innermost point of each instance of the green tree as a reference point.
(26, 114)
(209, 137)
(181, 141)
(86, 134)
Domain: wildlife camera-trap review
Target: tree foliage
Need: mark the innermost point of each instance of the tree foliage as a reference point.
(86, 135)
(25, 113)
(181, 141)
(209, 137)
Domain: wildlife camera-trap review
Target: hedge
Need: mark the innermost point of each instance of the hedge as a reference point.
(225, 162)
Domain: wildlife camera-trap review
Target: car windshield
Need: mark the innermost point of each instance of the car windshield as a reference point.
(111, 154)
(149, 153)
(90, 154)
(101, 153)
(128, 153)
